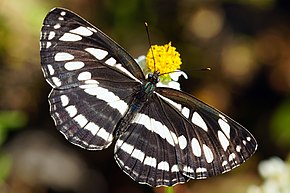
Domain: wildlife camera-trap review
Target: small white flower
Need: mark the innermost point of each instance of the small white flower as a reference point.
(141, 60)
(276, 175)
(175, 75)
(272, 168)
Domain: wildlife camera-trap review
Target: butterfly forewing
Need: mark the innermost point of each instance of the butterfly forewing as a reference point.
(164, 137)
(70, 45)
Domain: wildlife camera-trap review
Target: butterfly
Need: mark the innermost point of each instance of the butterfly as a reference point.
(100, 95)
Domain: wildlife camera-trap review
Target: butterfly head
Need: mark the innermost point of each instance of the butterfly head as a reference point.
(153, 77)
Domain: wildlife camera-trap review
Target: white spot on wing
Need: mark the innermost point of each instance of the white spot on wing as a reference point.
(48, 44)
(152, 125)
(63, 56)
(64, 100)
(174, 168)
(201, 170)
(238, 148)
(105, 95)
(62, 13)
(69, 37)
(61, 18)
(182, 142)
(50, 69)
(185, 111)
(120, 105)
(207, 153)
(196, 119)
(72, 111)
(126, 147)
(224, 163)
(150, 161)
(51, 35)
(223, 140)
(173, 103)
(188, 169)
(91, 82)
(163, 165)
(82, 31)
(84, 76)
(232, 156)
(92, 127)
(56, 26)
(138, 154)
(196, 149)
(81, 120)
(74, 65)
(225, 127)
(104, 135)
(56, 81)
(97, 53)
(111, 61)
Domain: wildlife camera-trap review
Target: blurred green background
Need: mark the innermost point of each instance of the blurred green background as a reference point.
(245, 42)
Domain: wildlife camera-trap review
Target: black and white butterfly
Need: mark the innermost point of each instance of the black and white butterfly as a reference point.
(163, 136)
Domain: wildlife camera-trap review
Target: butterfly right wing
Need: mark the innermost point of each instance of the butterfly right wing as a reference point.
(175, 137)
(93, 79)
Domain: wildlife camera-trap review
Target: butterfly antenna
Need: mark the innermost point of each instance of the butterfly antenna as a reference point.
(205, 69)
(201, 69)
(149, 40)
(170, 72)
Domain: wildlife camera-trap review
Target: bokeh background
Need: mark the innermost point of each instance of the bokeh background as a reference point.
(246, 43)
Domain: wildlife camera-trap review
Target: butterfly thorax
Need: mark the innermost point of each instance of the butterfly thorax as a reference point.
(152, 80)
(142, 95)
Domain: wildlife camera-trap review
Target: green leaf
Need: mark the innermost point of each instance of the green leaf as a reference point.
(10, 120)
(5, 166)
(280, 124)
(169, 189)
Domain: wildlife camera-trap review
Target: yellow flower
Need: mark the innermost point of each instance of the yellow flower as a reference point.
(166, 59)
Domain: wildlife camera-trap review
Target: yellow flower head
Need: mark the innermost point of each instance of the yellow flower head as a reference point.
(166, 59)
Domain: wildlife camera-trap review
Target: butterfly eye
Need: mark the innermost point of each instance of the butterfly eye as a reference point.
(150, 75)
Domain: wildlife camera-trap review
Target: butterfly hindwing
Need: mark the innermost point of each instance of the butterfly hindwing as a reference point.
(87, 115)
(212, 143)
(176, 137)
(147, 151)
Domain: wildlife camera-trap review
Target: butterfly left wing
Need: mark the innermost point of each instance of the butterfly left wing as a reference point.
(93, 79)
(179, 137)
